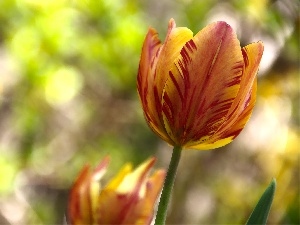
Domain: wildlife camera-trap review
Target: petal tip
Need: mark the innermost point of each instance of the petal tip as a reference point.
(223, 24)
(261, 45)
(222, 27)
(150, 162)
(172, 23)
(151, 31)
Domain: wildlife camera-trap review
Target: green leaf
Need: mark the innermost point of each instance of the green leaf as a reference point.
(261, 210)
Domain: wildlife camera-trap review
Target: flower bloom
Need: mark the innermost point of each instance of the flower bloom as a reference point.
(198, 91)
(128, 198)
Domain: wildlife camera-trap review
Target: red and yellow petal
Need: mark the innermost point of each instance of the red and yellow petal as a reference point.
(117, 180)
(176, 38)
(224, 137)
(145, 80)
(242, 107)
(134, 181)
(156, 60)
(128, 199)
(252, 54)
(144, 210)
(79, 207)
(202, 84)
(85, 191)
(117, 203)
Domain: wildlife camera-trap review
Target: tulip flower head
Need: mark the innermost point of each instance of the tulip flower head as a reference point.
(129, 198)
(198, 91)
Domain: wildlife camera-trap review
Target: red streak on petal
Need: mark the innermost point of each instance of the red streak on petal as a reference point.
(245, 56)
(176, 85)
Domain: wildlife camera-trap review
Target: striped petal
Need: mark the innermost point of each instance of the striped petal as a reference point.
(145, 206)
(79, 206)
(117, 204)
(202, 85)
(156, 60)
(147, 66)
(223, 137)
(128, 199)
(242, 107)
(82, 203)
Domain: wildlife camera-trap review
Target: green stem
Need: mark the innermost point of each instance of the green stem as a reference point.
(168, 186)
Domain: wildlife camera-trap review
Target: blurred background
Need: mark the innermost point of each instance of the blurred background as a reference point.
(68, 97)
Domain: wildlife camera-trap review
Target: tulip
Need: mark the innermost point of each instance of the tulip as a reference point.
(199, 91)
(128, 198)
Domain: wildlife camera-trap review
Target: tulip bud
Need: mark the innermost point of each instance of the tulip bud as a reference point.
(129, 198)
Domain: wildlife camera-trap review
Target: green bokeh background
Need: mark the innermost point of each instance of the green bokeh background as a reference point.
(68, 97)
